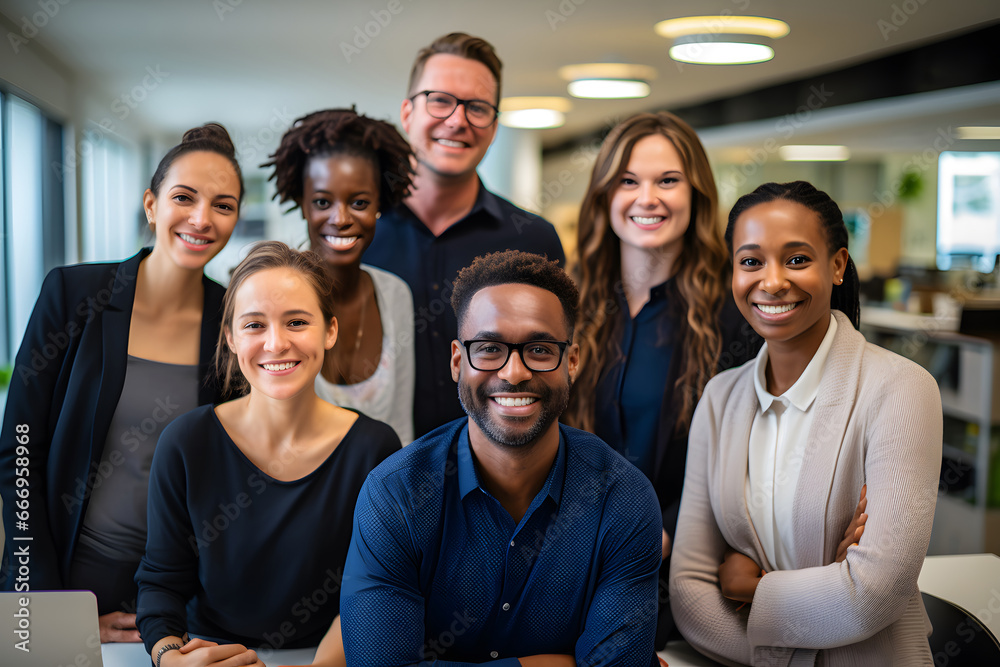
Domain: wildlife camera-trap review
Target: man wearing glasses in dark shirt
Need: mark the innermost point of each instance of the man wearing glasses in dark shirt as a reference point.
(450, 117)
(505, 537)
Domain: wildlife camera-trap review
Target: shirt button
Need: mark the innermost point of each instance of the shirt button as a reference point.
(506, 606)
(512, 543)
(494, 654)
(435, 287)
(434, 334)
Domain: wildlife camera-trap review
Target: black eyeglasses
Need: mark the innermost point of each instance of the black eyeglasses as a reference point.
(479, 113)
(539, 356)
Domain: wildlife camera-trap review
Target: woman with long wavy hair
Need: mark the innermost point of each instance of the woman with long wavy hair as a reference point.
(656, 318)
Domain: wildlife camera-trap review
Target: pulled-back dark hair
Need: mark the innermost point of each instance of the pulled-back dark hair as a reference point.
(342, 131)
(845, 296)
(266, 255)
(210, 137)
(515, 267)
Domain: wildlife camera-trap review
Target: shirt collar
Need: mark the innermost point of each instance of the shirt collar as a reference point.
(804, 391)
(468, 478)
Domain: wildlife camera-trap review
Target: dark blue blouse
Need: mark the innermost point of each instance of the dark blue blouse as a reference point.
(257, 561)
(630, 391)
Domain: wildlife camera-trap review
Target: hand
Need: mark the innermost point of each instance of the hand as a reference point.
(118, 627)
(739, 576)
(856, 528)
(666, 545)
(202, 653)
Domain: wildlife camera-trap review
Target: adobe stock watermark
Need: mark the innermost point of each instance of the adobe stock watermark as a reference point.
(363, 34)
(898, 17)
(563, 11)
(30, 27)
(122, 107)
(785, 128)
(249, 148)
(131, 440)
(50, 347)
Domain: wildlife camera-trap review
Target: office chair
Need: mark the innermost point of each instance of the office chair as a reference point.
(959, 639)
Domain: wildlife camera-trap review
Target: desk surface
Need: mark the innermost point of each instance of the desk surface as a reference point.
(971, 582)
(677, 654)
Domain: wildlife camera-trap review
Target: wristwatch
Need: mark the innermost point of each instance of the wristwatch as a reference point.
(164, 649)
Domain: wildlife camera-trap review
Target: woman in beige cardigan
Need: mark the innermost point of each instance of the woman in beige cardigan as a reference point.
(781, 449)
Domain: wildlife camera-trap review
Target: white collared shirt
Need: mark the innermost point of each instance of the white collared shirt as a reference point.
(778, 439)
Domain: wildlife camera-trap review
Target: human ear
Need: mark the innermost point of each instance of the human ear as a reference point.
(456, 360)
(149, 208)
(331, 334)
(839, 262)
(573, 361)
(406, 114)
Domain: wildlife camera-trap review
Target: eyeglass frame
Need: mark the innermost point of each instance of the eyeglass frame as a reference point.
(458, 102)
(514, 347)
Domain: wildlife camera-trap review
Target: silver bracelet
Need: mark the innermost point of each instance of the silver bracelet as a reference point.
(164, 649)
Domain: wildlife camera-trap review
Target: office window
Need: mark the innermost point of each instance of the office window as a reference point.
(33, 212)
(112, 204)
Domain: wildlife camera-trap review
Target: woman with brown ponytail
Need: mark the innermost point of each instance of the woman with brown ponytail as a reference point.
(113, 353)
(657, 319)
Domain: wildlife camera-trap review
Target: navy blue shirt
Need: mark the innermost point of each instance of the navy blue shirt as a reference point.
(405, 246)
(630, 392)
(438, 569)
(235, 555)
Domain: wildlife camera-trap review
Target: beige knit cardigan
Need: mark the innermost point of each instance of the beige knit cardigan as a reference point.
(878, 421)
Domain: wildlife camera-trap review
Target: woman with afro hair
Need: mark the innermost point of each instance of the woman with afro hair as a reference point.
(341, 169)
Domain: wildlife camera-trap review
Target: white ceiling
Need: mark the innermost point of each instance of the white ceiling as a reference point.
(247, 63)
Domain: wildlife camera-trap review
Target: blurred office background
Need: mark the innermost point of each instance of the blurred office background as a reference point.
(93, 92)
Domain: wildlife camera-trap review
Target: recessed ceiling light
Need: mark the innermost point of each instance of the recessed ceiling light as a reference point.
(608, 80)
(534, 112)
(978, 132)
(802, 153)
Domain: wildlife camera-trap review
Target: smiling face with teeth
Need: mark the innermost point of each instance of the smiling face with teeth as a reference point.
(196, 209)
(513, 407)
(650, 209)
(279, 333)
(784, 273)
(449, 147)
(340, 202)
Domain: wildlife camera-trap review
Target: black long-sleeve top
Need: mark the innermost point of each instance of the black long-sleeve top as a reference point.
(236, 556)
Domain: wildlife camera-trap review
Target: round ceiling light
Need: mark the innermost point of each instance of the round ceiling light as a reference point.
(534, 112)
(722, 40)
(608, 80)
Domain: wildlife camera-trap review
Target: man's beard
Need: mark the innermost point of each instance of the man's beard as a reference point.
(476, 405)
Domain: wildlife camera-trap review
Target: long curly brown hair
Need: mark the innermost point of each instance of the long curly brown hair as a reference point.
(701, 273)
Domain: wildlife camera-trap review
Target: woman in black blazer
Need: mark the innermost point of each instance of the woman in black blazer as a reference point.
(112, 353)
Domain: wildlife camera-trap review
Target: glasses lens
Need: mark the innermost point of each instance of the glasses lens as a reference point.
(441, 105)
(540, 356)
(479, 113)
(488, 355)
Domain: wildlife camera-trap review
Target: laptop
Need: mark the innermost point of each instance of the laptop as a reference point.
(49, 629)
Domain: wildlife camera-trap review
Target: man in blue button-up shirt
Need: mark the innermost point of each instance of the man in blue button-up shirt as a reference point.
(505, 537)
